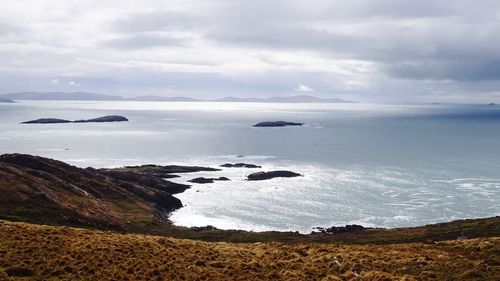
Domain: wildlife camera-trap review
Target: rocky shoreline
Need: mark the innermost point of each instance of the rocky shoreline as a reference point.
(34, 188)
(139, 199)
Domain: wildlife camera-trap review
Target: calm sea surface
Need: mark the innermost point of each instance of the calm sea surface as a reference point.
(375, 165)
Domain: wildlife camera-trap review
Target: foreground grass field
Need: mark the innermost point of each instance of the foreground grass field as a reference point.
(34, 252)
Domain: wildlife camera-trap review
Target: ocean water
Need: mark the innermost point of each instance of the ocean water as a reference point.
(369, 164)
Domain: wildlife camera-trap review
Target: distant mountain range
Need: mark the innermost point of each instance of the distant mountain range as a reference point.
(59, 96)
(82, 96)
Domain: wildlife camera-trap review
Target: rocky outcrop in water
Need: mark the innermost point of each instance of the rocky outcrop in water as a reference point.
(203, 180)
(109, 118)
(272, 174)
(46, 121)
(277, 124)
(165, 171)
(240, 165)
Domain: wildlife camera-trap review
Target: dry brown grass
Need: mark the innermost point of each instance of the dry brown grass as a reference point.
(34, 252)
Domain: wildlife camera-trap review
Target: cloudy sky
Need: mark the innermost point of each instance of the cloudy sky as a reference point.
(364, 50)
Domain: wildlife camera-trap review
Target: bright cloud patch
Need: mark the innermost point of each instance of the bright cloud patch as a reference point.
(303, 88)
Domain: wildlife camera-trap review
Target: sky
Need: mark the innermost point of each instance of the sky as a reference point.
(363, 50)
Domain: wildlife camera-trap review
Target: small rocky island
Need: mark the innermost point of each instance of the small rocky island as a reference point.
(272, 174)
(277, 124)
(240, 165)
(203, 180)
(47, 121)
(109, 118)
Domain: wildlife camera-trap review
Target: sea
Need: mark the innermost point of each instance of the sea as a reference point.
(377, 165)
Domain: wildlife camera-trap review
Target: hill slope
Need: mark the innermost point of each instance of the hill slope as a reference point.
(34, 252)
(42, 190)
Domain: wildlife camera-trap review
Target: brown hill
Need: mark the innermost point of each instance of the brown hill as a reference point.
(34, 252)
(42, 190)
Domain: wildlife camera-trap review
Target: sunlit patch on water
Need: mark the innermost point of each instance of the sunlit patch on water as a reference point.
(382, 197)
(369, 164)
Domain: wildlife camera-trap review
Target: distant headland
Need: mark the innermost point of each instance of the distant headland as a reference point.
(85, 96)
(6, 100)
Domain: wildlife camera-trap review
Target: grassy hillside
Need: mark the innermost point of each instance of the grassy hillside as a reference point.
(34, 252)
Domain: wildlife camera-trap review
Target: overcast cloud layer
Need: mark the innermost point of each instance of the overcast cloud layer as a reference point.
(365, 50)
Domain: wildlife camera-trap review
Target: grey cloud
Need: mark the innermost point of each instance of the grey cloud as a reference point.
(239, 47)
(444, 70)
(391, 32)
(428, 33)
(145, 40)
(154, 21)
(331, 10)
(9, 32)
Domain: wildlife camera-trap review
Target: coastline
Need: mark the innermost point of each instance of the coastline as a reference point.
(137, 199)
(108, 224)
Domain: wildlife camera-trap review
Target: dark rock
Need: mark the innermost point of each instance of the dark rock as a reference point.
(341, 229)
(150, 180)
(166, 176)
(109, 118)
(272, 174)
(277, 124)
(201, 180)
(207, 180)
(166, 201)
(46, 121)
(240, 165)
(170, 169)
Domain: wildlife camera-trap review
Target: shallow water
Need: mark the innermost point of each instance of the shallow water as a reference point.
(375, 165)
